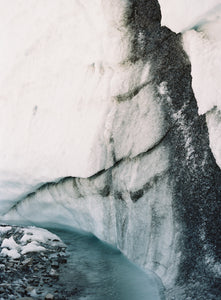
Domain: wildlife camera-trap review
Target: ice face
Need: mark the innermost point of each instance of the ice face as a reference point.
(75, 104)
(56, 87)
(63, 93)
(105, 134)
(203, 45)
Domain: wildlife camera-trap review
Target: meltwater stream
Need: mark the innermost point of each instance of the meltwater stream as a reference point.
(96, 271)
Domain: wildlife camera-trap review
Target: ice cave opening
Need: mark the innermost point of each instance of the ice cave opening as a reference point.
(110, 124)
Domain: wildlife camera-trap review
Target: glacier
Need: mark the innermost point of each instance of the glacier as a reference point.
(203, 45)
(109, 123)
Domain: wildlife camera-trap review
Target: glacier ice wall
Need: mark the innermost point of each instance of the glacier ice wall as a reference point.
(203, 45)
(100, 131)
(199, 22)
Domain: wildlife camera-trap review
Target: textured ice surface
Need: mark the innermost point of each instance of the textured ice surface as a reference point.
(49, 55)
(62, 87)
(73, 104)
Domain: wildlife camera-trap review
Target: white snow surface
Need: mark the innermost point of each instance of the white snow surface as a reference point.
(13, 253)
(39, 235)
(32, 247)
(10, 243)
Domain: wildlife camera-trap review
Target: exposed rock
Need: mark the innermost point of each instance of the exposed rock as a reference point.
(49, 297)
(25, 298)
(28, 276)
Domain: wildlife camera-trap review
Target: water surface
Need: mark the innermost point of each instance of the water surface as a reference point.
(96, 271)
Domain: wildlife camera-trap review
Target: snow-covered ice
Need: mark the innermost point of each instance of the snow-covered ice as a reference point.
(29, 239)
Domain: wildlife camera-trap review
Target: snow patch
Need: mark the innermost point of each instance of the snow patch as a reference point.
(10, 244)
(13, 253)
(20, 241)
(4, 229)
(39, 235)
(32, 247)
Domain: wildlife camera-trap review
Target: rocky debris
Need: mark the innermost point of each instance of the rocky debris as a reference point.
(30, 259)
(25, 298)
(49, 297)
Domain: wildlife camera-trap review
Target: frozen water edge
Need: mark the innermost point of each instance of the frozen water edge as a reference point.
(94, 270)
